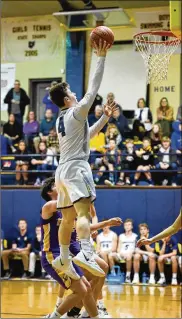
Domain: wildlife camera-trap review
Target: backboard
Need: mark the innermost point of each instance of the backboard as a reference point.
(175, 17)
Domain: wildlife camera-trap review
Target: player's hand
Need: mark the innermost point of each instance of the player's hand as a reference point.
(115, 221)
(143, 241)
(101, 48)
(109, 108)
(94, 234)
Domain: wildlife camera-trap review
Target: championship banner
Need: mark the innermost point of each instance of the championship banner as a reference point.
(8, 71)
(156, 20)
(30, 39)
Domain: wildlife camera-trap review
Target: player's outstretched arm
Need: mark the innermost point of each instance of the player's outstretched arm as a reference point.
(110, 222)
(98, 126)
(81, 111)
(171, 230)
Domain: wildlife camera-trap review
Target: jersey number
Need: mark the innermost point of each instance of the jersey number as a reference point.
(126, 247)
(61, 128)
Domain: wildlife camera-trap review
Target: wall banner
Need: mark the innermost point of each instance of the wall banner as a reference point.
(30, 39)
(8, 71)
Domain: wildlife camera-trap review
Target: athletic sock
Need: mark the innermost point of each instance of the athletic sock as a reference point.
(58, 302)
(74, 312)
(100, 303)
(162, 275)
(128, 273)
(86, 246)
(64, 251)
(174, 275)
(152, 276)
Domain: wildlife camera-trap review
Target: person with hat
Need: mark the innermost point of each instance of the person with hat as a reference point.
(49, 105)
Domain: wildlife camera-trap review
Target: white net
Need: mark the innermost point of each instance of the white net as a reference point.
(156, 51)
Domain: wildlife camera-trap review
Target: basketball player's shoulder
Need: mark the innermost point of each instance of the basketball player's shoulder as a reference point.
(134, 235)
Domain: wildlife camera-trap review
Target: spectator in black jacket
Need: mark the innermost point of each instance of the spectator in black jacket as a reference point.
(128, 161)
(167, 160)
(22, 164)
(120, 121)
(144, 162)
(36, 253)
(12, 130)
(17, 99)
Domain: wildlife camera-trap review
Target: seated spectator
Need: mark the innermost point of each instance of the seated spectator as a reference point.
(176, 140)
(45, 162)
(125, 250)
(144, 162)
(112, 132)
(168, 252)
(94, 117)
(111, 161)
(127, 163)
(36, 252)
(120, 121)
(13, 131)
(6, 144)
(111, 98)
(166, 160)
(53, 141)
(143, 115)
(30, 130)
(106, 243)
(98, 101)
(4, 246)
(45, 126)
(145, 253)
(49, 104)
(165, 116)
(156, 137)
(179, 113)
(21, 246)
(97, 149)
(22, 164)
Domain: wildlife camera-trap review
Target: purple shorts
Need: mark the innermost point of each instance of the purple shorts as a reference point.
(74, 247)
(57, 275)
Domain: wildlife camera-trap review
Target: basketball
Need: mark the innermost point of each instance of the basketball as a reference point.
(103, 33)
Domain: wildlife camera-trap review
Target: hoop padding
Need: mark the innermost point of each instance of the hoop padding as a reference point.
(156, 49)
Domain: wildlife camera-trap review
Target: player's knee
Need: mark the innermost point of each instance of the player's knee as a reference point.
(137, 257)
(173, 259)
(32, 254)
(160, 259)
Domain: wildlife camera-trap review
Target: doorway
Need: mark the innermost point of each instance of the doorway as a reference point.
(37, 91)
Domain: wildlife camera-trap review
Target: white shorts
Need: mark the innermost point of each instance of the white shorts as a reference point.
(180, 260)
(74, 181)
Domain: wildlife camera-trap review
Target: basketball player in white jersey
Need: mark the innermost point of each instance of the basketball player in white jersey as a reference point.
(106, 243)
(126, 248)
(74, 181)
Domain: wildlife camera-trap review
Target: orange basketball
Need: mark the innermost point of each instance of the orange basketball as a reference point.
(103, 33)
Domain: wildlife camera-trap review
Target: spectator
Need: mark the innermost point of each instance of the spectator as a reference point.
(106, 243)
(13, 131)
(176, 138)
(168, 252)
(45, 162)
(21, 246)
(17, 99)
(167, 160)
(97, 149)
(111, 98)
(143, 115)
(165, 116)
(126, 248)
(145, 253)
(30, 130)
(112, 132)
(111, 161)
(94, 117)
(6, 144)
(156, 137)
(53, 141)
(98, 101)
(22, 164)
(49, 104)
(144, 162)
(128, 160)
(179, 113)
(35, 253)
(120, 121)
(45, 126)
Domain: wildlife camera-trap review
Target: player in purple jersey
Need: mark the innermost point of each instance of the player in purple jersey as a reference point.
(50, 246)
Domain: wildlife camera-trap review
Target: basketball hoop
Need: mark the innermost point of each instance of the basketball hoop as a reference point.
(156, 48)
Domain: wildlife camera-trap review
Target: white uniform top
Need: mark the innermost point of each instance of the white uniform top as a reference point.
(127, 243)
(106, 241)
(72, 126)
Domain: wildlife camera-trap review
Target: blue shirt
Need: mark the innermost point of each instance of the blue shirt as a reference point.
(46, 126)
(170, 246)
(22, 241)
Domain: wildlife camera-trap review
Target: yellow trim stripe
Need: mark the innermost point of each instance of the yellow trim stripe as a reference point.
(46, 240)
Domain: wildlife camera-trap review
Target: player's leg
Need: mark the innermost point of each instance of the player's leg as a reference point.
(32, 262)
(113, 257)
(174, 270)
(161, 261)
(152, 268)
(128, 258)
(85, 257)
(136, 266)
(104, 256)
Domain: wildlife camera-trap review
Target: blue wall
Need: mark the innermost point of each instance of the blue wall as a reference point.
(158, 208)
